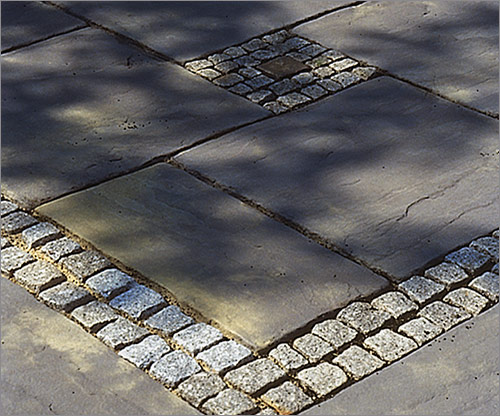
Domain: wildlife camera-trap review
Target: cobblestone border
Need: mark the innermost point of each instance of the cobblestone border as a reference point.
(319, 71)
(218, 375)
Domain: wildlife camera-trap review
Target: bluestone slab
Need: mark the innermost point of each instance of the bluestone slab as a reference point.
(450, 47)
(215, 254)
(388, 173)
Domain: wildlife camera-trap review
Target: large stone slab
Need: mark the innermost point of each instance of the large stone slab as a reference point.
(448, 46)
(456, 374)
(185, 30)
(89, 107)
(391, 175)
(250, 274)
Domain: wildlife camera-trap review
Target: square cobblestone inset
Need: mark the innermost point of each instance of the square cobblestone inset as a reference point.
(444, 315)
(467, 299)
(94, 315)
(358, 362)
(287, 398)
(486, 284)
(57, 249)
(174, 368)
(66, 296)
(313, 347)
(13, 259)
(110, 283)
(229, 402)
(486, 245)
(200, 387)
(446, 273)
(420, 289)
(421, 330)
(389, 345)
(16, 222)
(85, 264)
(469, 259)
(138, 302)
(322, 379)
(121, 333)
(224, 355)
(38, 276)
(198, 337)
(143, 354)
(334, 332)
(169, 320)
(254, 376)
(39, 234)
(363, 317)
(288, 358)
(394, 303)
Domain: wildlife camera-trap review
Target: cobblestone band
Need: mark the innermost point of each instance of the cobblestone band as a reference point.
(218, 375)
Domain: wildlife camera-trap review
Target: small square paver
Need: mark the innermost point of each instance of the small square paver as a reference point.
(217, 58)
(329, 85)
(346, 79)
(169, 320)
(94, 315)
(249, 72)
(138, 302)
(322, 379)
(314, 91)
(469, 259)
(264, 54)
(224, 356)
(467, 299)
(394, 303)
(358, 362)
(85, 264)
(255, 376)
(313, 347)
(143, 354)
(240, 89)
(293, 99)
(446, 273)
(174, 368)
(38, 276)
(283, 66)
(121, 333)
(365, 72)
(287, 398)
(200, 387)
(486, 245)
(253, 45)
(312, 49)
(343, 64)
(8, 207)
(198, 65)
(296, 42)
(363, 317)
(287, 357)
(59, 248)
(5, 242)
(198, 337)
(304, 78)
(421, 330)
(247, 61)
(334, 332)
(486, 284)
(259, 81)
(283, 86)
(16, 222)
(110, 283)
(14, 258)
(420, 289)
(234, 51)
(228, 80)
(66, 296)
(224, 67)
(444, 315)
(389, 345)
(229, 402)
(259, 96)
(209, 73)
(39, 234)
(275, 107)
(267, 411)
(276, 37)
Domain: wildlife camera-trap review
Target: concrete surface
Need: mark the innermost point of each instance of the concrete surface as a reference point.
(448, 46)
(456, 374)
(51, 366)
(396, 177)
(257, 278)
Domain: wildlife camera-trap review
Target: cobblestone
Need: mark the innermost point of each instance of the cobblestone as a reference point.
(276, 37)
(240, 89)
(323, 72)
(264, 54)
(312, 49)
(446, 273)
(319, 61)
(298, 56)
(420, 329)
(275, 107)
(254, 44)
(7, 207)
(323, 378)
(389, 345)
(229, 402)
(486, 245)
(228, 80)
(16, 222)
(121, 333)
(200, 387)
(286, 398)
(234, 51)
(358, 362)
(444, 315)
(247, 61)
(209, 73)
(420, 289)
(174, 368)
(259, 96)
(217, 58)
(38, 276)
(85, 264)
(314, 91)
(469, 259)
(169, 320)
(5, 243)
(143, 354)
(259, 81)
(226, 66)
(346, 79)
(224, 355)
(303, 78)
(198, 65)
(255, 376)
(65, 296)
(287, 357)
(467, 299)
(365, 72)
(293, 99)
(57, 249)
(362, 317)
(249, 72)
(13, 259)
(282, 87)
(110, 283)
(394, 303)
(329, 85)
(197, 337)
(486, 284)
(138, 302)
(94, 315)
(333, 54)
(334, 332)
(296, 42)
(313, 347)
(39, 234)
(343, 64)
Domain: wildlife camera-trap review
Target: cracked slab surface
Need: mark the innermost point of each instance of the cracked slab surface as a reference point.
(384, 180)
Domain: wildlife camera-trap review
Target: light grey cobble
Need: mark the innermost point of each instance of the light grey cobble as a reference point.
(312, 49)
(343, 64)
(228, 80)
(198, 65)
(234, 51)
(389, 345)
(65, 296)
(394, 303)
(312, 347)
(446, 273)
(313, 91)
(420, 289)
(110, 283)
(303, 78)
(420, 329)
(5, 243)
(467, 299)
(287, 357)
(334, 332)
(494, 269)
(39, 234)
(259, 81)
(255, 376)
(224, 355)
(229, 402)
(275, 107)
(197, 337)
(358, 362)
(323, 378)
(364, 72)
(323, 72)
(139, 302)
(209, 73)
(121, 333)
(287, 398)
(469, 259)
(329, 85)
(200, 387)
(14, 258)
(240, 89)
(254, 44)
(169, 320)
(174, 368)
(226, 67)
(143, 354)
(94, 315)
(321, 60)
(249, 72)
(486, 245)
(259, 96)
(486, 284)
(59, 248)
(444, 315)
(85, 264)
(8, 207)
(293, 99)
(333, 54)
(346, 78)
(283, 86)
(38, 276)
(363, 317)
(217, 58)
(16, 222)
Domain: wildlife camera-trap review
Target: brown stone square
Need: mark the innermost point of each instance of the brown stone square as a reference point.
(283, 66)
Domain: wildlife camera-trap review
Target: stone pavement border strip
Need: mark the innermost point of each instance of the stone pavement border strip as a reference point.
(217, 374)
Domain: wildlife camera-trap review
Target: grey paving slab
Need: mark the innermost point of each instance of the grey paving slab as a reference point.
(89, 119)
(448, 46)
(25, 22)
(393, 178)
(229, 262)
(185, 30)
(457, 373)
(68, 371)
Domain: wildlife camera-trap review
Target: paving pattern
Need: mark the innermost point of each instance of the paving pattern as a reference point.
(218, 375)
